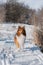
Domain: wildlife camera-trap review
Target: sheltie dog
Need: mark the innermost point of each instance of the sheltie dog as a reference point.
(20, 37)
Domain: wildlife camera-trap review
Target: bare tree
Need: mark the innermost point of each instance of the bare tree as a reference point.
(17, 12)
(38, 32)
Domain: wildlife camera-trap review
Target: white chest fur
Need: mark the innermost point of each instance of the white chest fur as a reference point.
(21, 40)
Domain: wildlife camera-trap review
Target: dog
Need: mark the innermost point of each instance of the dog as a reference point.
(20, 37)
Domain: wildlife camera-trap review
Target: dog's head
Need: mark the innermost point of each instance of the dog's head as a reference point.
(21, 30)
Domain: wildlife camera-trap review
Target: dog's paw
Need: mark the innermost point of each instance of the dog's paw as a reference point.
(17, 50)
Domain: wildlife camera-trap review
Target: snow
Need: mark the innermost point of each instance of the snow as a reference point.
(31, 54)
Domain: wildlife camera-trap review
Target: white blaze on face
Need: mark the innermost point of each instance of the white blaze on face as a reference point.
(21, 40)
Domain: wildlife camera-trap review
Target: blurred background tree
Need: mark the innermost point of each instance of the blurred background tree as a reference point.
(17, 12)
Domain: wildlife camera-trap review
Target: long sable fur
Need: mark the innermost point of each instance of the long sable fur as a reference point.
(23, 31)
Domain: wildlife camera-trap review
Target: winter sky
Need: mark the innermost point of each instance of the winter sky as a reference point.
(35, 4)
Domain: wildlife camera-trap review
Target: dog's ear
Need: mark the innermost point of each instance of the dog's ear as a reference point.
(19, 26)
(24, 31)
(23, 27)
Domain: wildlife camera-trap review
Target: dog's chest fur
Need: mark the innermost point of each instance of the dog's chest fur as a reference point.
(21, 39)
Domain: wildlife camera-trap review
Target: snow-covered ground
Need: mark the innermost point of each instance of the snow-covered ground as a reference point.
(31, 54)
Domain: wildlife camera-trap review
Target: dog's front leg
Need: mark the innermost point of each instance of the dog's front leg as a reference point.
(16, 42)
